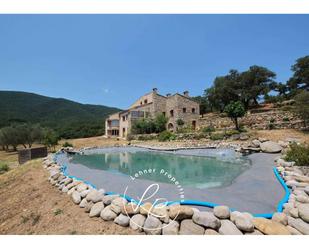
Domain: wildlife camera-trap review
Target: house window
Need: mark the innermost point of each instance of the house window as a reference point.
(123, 118)
(193, 110)
(163, 114)
(141, 103)
(184, 110)
(172, 113)
(145, 101)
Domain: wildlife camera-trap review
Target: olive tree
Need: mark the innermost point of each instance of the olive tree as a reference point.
(234, 111)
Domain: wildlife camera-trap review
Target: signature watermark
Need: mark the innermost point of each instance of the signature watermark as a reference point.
(150, 203)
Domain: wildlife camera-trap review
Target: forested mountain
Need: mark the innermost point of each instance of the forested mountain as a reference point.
(68, 118)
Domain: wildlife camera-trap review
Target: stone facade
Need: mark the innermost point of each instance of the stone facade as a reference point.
(174, 107)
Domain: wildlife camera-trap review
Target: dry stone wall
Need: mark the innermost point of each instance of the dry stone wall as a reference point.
(274, 119)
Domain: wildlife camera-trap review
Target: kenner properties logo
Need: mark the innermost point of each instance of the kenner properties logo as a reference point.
(158, 208)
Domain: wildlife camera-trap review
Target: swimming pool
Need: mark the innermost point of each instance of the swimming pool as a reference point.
(212, 170)
(209, 175)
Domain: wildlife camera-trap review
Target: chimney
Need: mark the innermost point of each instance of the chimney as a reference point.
(186, 93)
(155, 90)
(167, 95)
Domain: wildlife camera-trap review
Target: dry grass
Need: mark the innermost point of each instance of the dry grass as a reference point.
(94, 141)
(284, 134)
(30, 205)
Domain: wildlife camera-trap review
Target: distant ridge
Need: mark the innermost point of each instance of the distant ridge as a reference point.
(68, 118)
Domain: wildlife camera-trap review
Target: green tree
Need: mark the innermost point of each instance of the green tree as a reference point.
(50, 139)
(300, 78)
(160, 123)
(255, 82)
(204, 104)
(302, 106)
(235, 110)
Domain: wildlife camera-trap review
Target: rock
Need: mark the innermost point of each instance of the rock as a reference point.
(256, 143)
(68, 181)
(233, 215)
(222, 212)
(209, 231)
(107, 199)
(270, 227)
(235, 137)
(299, 225)
(55, 175)
(299, 178)
(83, 203)
(281, 218)
(228, 228)
(303, 212)
(270, 147)
(206, 219)
(307, 190)
(88, 206)
(244, 223)
(81, 187)
(255, 232)
(294, 212)
(73, 184)
(117, 204)
(172, 228)
(302, 199)
(179, 212)
(107, 214)
(96, 209)
(84, 193)
(262, 139)
(122, 220)
(152, 225)
(65, 189)
(146, 208)
(188, 227)
(70, 192)
(137, 222)
(130, 209)
(161, 212)
(293, 231)
(76, 197)
(94, 196)
(243, 137)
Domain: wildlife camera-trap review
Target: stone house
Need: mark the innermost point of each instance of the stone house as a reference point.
(174, 107)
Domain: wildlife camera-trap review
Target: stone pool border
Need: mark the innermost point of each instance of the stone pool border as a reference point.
(221, 220)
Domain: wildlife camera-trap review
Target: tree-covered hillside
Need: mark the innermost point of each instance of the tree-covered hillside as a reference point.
(68, 118)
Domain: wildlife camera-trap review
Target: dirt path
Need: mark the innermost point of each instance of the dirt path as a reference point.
(30, 205)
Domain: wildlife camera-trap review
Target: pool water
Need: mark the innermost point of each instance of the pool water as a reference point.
(191, 171)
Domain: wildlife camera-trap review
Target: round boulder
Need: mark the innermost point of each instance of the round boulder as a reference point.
(222, 212)
(270, 147)
(188, 227)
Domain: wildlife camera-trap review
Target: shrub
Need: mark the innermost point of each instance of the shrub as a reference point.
(209, 129)
(67, 144)
(272, 120)
(285, 119)
(148, 125)
(180, 122)
(3, 168)
(270, 126)
(299, 154)
(216, 136)
(232, 132)
(166, 136)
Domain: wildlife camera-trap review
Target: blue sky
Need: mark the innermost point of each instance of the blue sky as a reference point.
(113, 59)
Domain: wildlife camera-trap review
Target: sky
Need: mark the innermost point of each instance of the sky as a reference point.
(114, 59)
